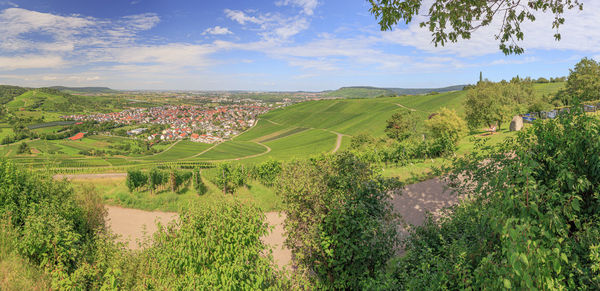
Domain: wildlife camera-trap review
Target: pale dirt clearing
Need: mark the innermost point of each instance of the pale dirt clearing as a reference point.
(281, 254)
(415, 201)
(420, 198)
(133, 225)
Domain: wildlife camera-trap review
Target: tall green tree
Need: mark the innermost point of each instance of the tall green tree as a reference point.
(340, 225)
(495, 103)
(583, 82)
(401, 125)
(450, 20)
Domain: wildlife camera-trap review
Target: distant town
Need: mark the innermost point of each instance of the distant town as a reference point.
(196, 123)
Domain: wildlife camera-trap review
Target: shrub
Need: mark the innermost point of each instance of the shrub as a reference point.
(340, 225)
(267, 172)
(447, 125)
(531, 221)
(211, 247)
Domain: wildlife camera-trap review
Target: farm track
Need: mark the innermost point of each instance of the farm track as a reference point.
(166, 150)
(338, 142)
(204, 151)
(408, 108)
(246, 157)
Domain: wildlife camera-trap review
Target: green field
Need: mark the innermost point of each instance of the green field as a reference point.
(182, 150)
(231, 150)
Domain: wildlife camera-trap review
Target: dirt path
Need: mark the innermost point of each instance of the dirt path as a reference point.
(89, 176)
(206, 150)
(247, 157)
(415, 201)
(271, 121)
(408, 108)
(338, 142)
(133, 225)
(281, 254)
(167, 149)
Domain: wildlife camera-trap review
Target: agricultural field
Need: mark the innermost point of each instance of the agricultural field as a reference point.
(296, 131)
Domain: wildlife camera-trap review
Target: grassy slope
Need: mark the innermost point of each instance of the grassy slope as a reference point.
(30, 97)
(359, 92)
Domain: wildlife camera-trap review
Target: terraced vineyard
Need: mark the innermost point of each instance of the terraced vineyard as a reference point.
(296, 131)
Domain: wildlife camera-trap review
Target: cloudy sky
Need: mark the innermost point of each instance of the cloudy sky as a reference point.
(261, 45)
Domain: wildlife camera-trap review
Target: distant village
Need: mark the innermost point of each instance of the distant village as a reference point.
(196, 123)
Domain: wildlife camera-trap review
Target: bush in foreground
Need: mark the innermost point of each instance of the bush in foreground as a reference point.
(531, 220)
(339, 222)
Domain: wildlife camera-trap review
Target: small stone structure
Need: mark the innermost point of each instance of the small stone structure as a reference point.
(516, 124)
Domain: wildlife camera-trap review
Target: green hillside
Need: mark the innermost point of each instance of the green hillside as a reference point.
(38, 100)
(359, 92)
(76, 90)
(8, 93)
(372, 92)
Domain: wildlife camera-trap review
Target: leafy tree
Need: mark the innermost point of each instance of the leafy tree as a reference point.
(446, 123)
(530, 221)
(401, 125)
(450, 21)
(584, 81)
(494, 103)
(23, 148)
(340, 225)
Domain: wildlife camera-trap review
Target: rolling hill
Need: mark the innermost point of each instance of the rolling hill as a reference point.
(79, 90)
(372, 92)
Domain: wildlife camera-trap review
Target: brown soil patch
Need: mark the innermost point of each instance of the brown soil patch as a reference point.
(133, 225)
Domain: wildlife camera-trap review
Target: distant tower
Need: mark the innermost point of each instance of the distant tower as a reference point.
(480, 76)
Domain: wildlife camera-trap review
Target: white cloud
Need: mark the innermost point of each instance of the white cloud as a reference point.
(142, 21)
(242, 18)
(308, 6)
(30, 62)
(217, 30)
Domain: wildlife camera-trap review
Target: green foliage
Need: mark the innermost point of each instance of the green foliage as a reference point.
(493, 103)
(211, 247)
(136, 179)
(23, 148)
(401, 125)
(531, 220)
(267, 172)
(199, 185)
(339, 222)
(229, 177)
(7, 93)
(446, 123)
(583, 83)
(450, 21)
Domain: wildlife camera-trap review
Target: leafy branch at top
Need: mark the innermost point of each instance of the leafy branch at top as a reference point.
(450, 20)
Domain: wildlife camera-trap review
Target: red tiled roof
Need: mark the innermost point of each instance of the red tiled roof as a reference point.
(77, 136)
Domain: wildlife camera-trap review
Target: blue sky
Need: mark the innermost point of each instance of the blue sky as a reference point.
(261, 45)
